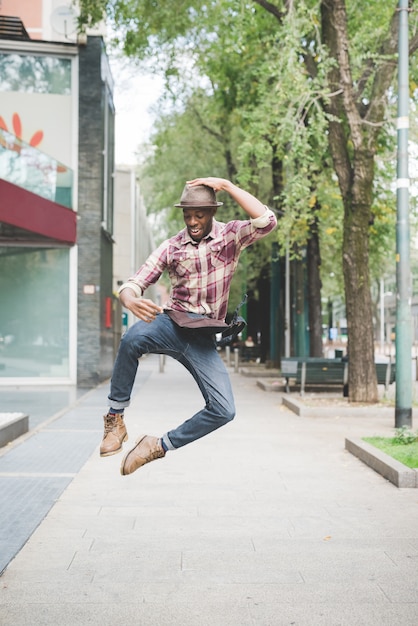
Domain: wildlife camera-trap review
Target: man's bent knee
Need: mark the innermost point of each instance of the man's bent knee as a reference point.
(226, 413)
(133, 342)
(230, 414)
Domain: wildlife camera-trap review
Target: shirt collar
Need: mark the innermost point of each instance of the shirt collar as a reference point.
(211, 235)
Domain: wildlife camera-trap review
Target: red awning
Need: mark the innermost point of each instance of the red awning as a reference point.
(24, 209)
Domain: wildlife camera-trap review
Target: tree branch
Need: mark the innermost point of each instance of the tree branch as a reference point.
(368, 71)
(334, 12)
(271, 8)
(218, 136)
(413, 44)
(333, 106)
(388, 48)
(384, 72)
(230, 165)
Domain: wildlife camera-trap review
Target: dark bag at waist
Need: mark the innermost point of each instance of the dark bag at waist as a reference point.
(194, 320)
(208, 325)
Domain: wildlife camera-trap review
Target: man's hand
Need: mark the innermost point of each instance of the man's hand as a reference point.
(217, 184)
(143, 309)
(253, 207)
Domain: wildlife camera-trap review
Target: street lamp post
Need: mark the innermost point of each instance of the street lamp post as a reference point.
(403, 402)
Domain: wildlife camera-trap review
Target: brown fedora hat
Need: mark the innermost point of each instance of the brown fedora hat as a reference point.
(198, 197)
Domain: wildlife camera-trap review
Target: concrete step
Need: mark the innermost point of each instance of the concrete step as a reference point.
(12, 425)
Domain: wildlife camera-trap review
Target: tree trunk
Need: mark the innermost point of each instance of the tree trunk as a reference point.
(362, 382)
(353, 156)
(313, 264)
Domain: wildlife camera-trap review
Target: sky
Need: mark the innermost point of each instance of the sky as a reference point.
(134, 94)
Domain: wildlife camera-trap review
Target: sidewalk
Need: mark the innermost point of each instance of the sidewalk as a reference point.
(266, 522)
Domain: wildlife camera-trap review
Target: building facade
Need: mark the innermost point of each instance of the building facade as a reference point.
(133, 237)
(57, 308)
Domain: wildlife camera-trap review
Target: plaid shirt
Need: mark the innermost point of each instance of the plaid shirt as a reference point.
(201, 272)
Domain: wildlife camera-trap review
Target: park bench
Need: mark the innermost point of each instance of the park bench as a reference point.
(385, 373)
(317, 371)
(250, 353)
(313, 371)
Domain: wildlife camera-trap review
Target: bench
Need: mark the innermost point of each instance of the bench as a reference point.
(386, 374)
(316, 371)
(335, 372)
(250, 353)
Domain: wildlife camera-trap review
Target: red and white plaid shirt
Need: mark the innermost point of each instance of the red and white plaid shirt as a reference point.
(201, 272)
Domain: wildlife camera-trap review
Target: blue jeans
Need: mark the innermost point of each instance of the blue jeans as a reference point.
(197, 352)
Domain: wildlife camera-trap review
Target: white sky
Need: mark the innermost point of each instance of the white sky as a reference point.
(134, 94)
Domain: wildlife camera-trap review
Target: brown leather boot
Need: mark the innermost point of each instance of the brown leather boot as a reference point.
(147, 449)
(114, 434)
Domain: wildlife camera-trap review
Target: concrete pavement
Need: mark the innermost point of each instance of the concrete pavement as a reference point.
(266, 522)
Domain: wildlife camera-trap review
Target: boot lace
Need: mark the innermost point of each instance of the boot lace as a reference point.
(157, 452)
(110, 423)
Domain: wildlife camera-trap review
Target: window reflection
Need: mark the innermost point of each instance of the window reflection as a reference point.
(35, 74)
(28, 167)
(34, 312)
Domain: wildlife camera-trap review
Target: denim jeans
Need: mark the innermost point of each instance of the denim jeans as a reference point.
(197, 352)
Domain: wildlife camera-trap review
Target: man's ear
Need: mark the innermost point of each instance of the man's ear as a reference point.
(214, 211)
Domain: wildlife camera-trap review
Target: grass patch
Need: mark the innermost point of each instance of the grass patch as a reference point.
(406, 453)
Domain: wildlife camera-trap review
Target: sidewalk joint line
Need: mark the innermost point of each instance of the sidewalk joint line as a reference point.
(37, 474)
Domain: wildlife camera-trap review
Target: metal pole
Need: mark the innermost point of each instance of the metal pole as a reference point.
(403, 403)
(287, 305)
(275, 286)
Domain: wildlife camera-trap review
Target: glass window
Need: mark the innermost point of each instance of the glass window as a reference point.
(34, 312)
(28, 167)
(35, 74)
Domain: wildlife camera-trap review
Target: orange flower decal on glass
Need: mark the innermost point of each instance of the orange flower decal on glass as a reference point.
(36, 138)
(34, 141)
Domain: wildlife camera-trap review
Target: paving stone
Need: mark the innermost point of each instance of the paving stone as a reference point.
(50, 452)
(266, 522)
(26, 501)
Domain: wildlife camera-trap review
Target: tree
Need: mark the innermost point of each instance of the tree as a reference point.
(321, 88)
(360, 108)
(359, 83)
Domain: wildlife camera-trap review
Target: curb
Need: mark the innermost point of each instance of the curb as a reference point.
(304, 410)
(270, 384)
(256, 371)
(12, 426)
(391, 469)
(275, 383)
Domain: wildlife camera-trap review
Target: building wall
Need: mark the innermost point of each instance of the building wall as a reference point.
(29, 11)
(132, 233)
(89, 125)
(39, 117)
(124, 257)
(87, 134)
(95, 337)
(50, 20)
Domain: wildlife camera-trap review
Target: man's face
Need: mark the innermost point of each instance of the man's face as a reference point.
(198, 222)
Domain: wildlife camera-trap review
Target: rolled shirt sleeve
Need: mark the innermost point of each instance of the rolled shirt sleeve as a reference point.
(149, 272)
(264, 220)
(131, 285)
